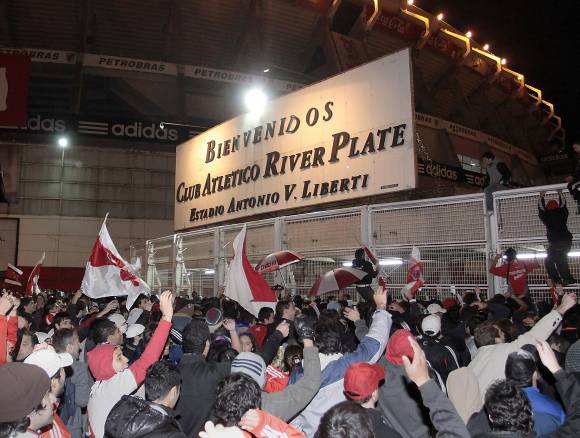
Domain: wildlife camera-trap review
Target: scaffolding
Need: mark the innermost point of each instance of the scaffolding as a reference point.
(456, 239)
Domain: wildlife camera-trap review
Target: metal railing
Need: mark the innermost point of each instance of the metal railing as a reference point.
(456, 239)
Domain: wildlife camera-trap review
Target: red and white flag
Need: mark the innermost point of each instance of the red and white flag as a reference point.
(244, 284)
(414, 274)
(107, 274)
(32, 283)
(371, 255)
(12, 276)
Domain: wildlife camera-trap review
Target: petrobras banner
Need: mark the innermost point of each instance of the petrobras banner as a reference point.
(140, 65)
(42, 55)
(344, 138)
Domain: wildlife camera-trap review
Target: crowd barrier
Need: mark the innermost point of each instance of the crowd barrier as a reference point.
(456, 239)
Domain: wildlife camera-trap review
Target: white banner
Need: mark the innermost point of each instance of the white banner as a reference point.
(129, 64)
(232, 77)
(43, 55)
(347, 137)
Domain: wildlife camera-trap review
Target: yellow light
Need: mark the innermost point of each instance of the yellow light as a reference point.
(486, 47)
(520, 77)
(410, 2)
(469, 34)
(503, 61)
(440, 16)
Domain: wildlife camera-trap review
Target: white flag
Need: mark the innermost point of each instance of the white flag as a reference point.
(107, 274)
(244, 284)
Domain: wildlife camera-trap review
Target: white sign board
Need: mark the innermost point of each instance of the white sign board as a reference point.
(347, 137)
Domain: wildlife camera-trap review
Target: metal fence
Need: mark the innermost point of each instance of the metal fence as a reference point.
(456, 239)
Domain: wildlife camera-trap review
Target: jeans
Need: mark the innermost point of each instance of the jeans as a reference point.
(557, 261)
(488, 191)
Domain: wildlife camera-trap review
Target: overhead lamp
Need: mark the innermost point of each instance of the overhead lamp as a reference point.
(469, 34)
(63, 142)
(266, 70)
(391, 262)
(255, 100)
(503, 61)
(486, 47)
(209, 272)
(410, 2)
(440, 16)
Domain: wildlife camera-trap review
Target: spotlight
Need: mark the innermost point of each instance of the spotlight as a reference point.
(162, 126)
(486, 47)
(266, 70)
(255, 100)
(469, 34)
(440, 16)
(63, 142)
(410, 2)
(503, 61)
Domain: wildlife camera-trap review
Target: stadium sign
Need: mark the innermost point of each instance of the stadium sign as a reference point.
(139, 65)
(347, 137)
(43, 55)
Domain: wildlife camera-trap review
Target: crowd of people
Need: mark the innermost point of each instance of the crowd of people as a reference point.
(383, 367)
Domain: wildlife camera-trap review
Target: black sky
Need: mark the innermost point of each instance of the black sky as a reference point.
(539, 38)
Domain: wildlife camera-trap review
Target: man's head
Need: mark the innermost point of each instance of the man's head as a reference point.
(487, 333)
(236, 394)
(248, 342)
(25, 398)
(53, 364)
(266, 315)
(106, 360)
(67, 341)
(487, 158)
(285, 309)
(61, 321)
(508, 408)
(576, 146)
(162, 384)
(195, 338)
(346, 420)
(359, 254)
(361, 383)
(105, 331)
(521, 368)
(24, 345)
(27, 305)
(510, 254)
(327, 339)
(143, 302)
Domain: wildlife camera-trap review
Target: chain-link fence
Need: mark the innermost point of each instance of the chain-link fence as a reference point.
(455, 237)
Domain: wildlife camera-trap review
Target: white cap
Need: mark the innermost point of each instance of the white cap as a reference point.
(431, 325)
(119, 321)
(134, 315)
(42, 337)
(435, 308)
(49, 360)
(134, 330)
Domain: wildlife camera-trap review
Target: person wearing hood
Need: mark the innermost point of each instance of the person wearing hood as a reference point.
(554, 215)
(153, 417)
(114, 377)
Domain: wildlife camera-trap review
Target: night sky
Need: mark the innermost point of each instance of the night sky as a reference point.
(539, 38)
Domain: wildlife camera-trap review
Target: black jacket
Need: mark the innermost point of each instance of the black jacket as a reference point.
(365, 265)
(555, 221)
(199, 380)
(133, 417)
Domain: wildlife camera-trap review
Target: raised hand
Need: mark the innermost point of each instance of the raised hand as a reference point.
(284, 328)
(230, 325)
(547, 356)
(380, 298)
(351, 314)
(568, 301)
(166, 305)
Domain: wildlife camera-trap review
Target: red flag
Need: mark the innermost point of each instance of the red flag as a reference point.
(244, 284)
(371, 255)
(108, 275)
(12, 276)
(32, 283)
(414, 277)
(14, 76)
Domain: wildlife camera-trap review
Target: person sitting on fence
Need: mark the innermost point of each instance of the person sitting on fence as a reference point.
(514, 271)
(363, 286)
(554, 215)
(574, 180)
(498, 178)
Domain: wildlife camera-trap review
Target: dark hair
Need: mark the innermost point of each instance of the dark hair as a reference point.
(11, 428)
(346, 420)
(101, 329)
(265, 313)
(520, 367)
(359, 253)
(19, 335)
(60, 317)
(251, 337)
(227, 355)
(327, 339)
(160, 379)
(236, 394)
(489, 155)
(292, 357)
(281, 306)
(485, 334)
(510, 254)
(298, 301)
(469, 298)
(62, 338)
(137, 302)
(508, 408)
(25, 301)
(195, 335)
(473, 321)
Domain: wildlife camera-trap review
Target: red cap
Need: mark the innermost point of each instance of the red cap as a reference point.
(100, 361)
(399, 346)
(552, 204)
(448, 303)
(361, 379)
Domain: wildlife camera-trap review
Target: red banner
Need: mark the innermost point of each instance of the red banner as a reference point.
(14, 77)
